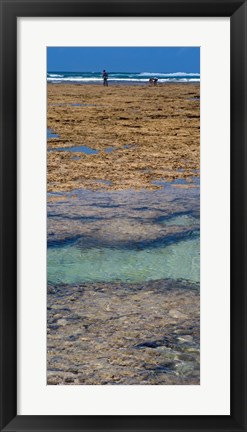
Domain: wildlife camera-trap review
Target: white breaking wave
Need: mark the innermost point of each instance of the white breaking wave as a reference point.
(55, 75)
(194, 79)
(179, 80)
(74, 79)
(92, 79)
(169, 74)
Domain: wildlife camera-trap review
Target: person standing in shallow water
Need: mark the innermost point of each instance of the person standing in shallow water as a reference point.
(105, 78)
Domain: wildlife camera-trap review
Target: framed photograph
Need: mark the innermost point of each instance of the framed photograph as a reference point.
(123, 246)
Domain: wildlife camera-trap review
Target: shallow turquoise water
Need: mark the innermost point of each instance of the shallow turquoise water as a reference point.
(126, 236)
(175, 261)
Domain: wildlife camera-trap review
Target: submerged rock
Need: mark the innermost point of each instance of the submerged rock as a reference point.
(118, 333)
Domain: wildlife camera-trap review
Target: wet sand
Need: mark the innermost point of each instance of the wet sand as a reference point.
(152, 133)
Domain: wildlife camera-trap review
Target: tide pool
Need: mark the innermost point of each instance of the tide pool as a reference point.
(124, 236)
(72, 265)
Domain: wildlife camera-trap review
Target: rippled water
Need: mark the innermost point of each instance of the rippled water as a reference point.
(124, 236)
(70, 264)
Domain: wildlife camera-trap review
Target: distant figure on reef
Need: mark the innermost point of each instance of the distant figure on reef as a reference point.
(105, 78)
(153, 81)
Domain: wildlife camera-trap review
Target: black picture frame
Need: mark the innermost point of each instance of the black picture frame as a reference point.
(10, 10)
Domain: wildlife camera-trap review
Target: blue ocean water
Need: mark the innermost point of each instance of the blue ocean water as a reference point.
(121, 77)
